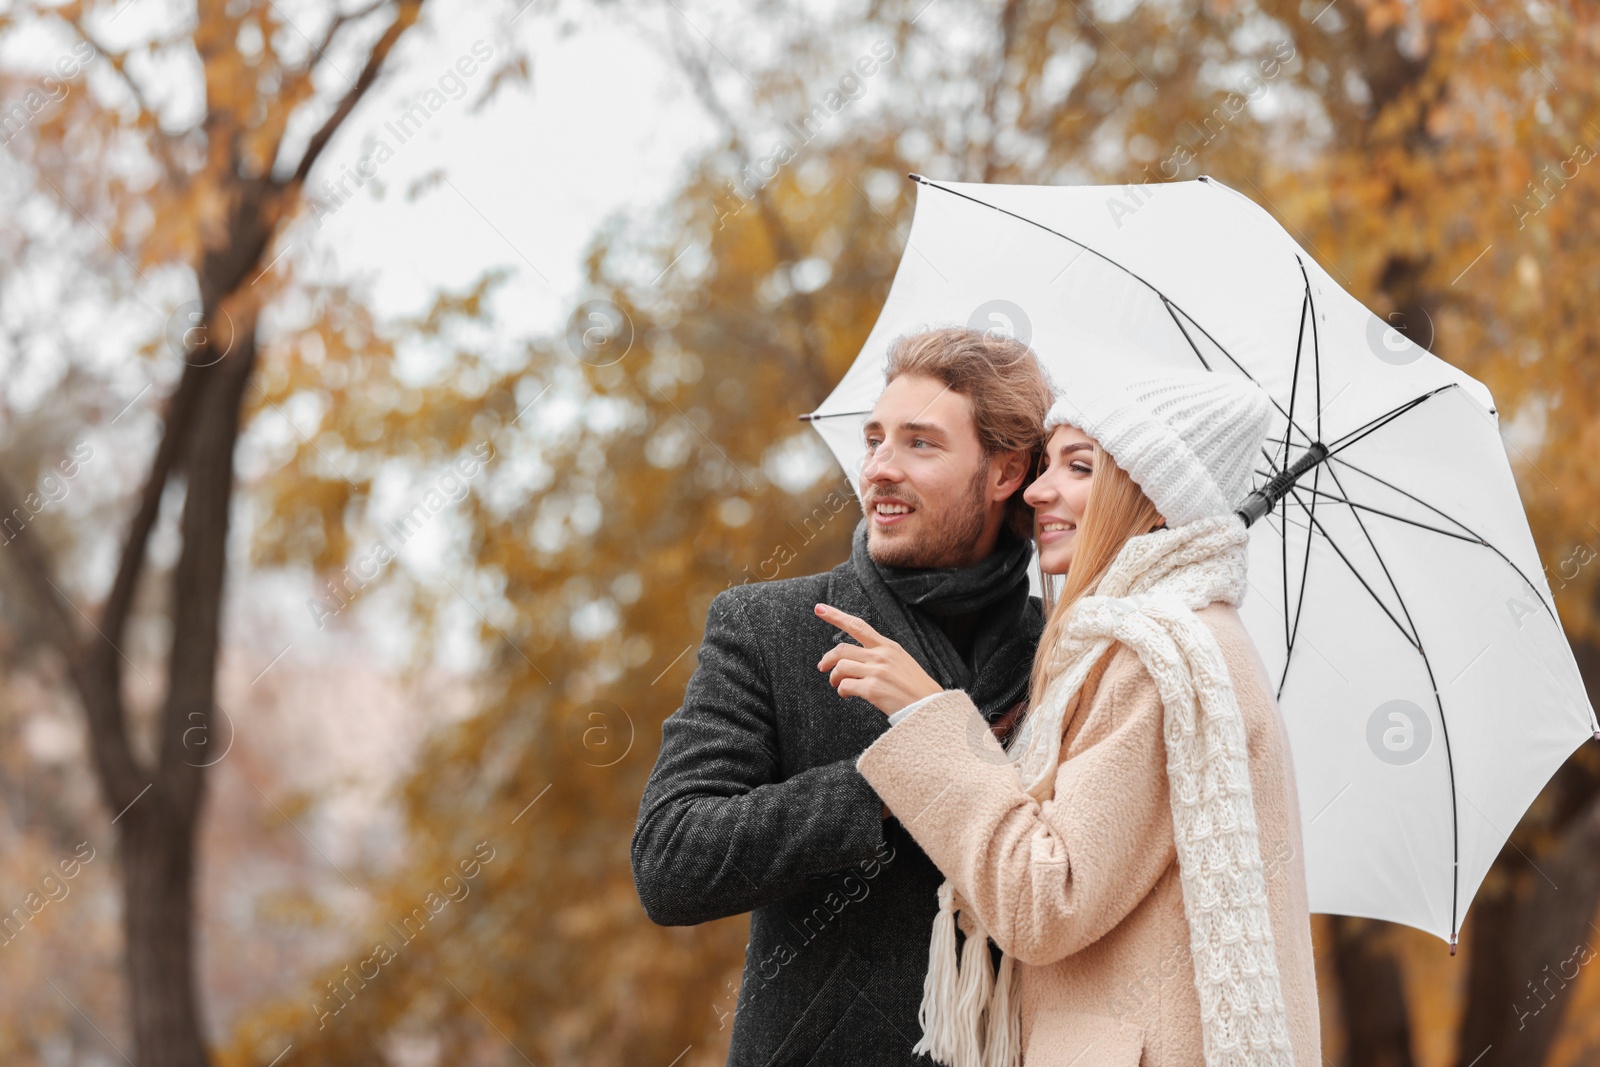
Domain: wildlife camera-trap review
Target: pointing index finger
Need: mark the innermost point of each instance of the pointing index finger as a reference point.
(856, 628)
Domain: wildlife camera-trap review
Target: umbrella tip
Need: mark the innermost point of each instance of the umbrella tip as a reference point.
(1597, 735)
(808, 418)
(914, 176)
(1452, 944)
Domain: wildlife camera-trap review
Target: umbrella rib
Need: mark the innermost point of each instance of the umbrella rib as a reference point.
(1401, 600)
(1316, 351)
(814, 416)
(1349, 439)
(1172, 305)
(1179, 323)
(1387, 417)
(1288, 629)
(1294, 381)
(1275, 516)
(1392, 515)
(1064, 237)
(1410, 639)
(1382, 420)
(1438, 702)
(1305, 563)
(1291, 622)
(1426, 662)
(1309, 304)
(1475, 535)
(1290, 632)
(1316, 344)
(1283, 544)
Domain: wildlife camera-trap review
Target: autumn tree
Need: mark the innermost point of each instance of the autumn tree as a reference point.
(649, 456)
(202, 196)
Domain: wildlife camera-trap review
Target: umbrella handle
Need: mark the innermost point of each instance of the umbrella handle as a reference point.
(1263, 500)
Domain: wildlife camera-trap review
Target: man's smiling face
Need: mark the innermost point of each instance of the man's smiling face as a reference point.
(925, 479)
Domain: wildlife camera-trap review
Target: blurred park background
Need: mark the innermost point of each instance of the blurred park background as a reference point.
(387, 387)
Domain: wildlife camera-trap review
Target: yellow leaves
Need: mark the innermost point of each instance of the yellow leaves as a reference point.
(718, 376)
(448, 307)
(211, 203)
(1382, 14)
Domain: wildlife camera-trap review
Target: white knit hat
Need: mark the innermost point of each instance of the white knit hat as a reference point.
(1189, 438)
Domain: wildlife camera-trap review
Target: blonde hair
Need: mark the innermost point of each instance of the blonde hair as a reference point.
(1117, 510)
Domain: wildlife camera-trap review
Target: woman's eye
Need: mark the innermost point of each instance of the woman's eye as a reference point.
(1081, 468)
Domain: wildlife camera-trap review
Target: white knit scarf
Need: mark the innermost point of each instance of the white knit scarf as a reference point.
(1146, 600)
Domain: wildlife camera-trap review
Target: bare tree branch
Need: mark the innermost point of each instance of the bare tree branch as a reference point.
(33, 569)
(991, 96)
(159, 807)
(160, 141)
(179, 416)
(339, 22)
(810, 368)
(404, 18)
(96, 677)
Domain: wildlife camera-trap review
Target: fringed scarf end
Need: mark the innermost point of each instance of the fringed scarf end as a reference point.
(937, 1013)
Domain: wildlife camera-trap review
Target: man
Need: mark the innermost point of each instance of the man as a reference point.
(755, 804)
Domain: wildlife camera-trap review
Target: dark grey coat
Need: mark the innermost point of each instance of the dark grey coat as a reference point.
(754, 804)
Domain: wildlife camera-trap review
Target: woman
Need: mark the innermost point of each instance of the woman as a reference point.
(1135, 852)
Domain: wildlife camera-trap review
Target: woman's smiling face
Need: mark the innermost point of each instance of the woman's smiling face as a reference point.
(1060, 494)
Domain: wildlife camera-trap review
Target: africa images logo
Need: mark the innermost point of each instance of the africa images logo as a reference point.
(1398, 732)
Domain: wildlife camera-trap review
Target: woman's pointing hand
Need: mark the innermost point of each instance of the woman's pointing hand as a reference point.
(878, 670)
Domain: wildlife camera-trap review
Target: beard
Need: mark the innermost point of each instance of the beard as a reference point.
(946, 537)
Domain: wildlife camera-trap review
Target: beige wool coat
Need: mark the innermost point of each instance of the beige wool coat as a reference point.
(1083, 890)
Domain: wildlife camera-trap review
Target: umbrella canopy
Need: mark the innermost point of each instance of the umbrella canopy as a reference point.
(1396, 596)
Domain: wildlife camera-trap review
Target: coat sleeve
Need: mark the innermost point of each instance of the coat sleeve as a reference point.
(720, 830)
(905, 712)
(1045, 879)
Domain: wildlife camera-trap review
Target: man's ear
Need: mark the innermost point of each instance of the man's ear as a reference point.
(1013, 472)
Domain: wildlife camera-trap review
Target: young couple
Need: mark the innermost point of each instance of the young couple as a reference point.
(975, 829)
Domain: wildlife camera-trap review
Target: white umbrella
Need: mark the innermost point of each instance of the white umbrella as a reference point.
(1396, 595)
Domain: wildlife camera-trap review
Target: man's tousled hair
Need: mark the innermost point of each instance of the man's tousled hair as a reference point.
(1007, 385)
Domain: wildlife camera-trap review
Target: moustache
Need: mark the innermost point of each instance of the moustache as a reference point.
(871, 499)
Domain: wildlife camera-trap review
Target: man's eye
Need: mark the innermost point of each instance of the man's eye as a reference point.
(919, 441)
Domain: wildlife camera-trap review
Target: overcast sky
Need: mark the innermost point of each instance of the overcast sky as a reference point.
(604, 125)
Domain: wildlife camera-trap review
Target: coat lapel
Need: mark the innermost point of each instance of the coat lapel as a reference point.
(845, 593)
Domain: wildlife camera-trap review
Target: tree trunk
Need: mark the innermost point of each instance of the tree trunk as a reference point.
(159, 833)
(158, 810)
(1377, 1028)
(1529, 946)
(157, 847)
(1490, 958)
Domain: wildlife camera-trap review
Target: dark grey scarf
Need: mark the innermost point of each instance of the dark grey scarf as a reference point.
(909, 601)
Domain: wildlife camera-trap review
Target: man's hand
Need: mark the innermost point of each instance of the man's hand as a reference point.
(878, 670)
